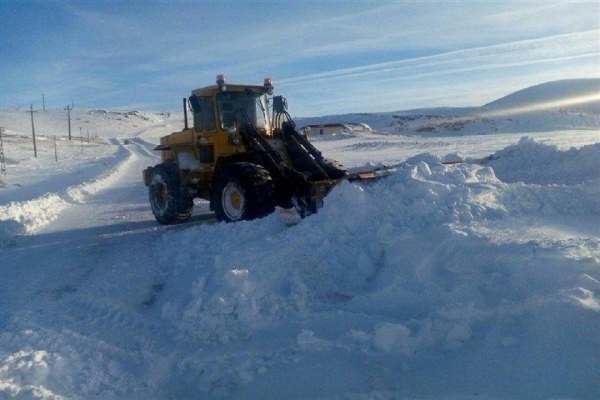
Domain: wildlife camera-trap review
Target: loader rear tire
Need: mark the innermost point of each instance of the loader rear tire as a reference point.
(170, 201)
(242, 191)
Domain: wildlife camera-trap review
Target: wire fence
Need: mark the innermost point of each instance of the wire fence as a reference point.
(13, 145)
(14, 148)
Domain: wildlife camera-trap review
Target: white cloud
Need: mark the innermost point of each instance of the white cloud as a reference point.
(414, 51)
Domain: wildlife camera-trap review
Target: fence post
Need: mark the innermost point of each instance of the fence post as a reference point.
(68, 109)
(2, 158)
(31, 111)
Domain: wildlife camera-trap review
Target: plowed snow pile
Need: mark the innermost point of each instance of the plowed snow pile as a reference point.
(439, 282)
(532, 162)
(400, 288)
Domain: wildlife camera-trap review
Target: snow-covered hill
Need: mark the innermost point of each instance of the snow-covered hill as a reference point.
(557, 105)
(95, 134)
(575, 95)
(100, 123)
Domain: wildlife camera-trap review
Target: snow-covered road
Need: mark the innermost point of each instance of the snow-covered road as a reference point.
(77, 294)
(121, 198)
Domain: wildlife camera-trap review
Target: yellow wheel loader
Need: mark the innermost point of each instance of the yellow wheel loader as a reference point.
(244, 155)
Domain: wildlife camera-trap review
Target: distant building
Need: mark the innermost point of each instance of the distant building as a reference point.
(325, 129)
(333, 128)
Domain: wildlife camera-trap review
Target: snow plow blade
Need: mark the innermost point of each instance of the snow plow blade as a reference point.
(371, 175)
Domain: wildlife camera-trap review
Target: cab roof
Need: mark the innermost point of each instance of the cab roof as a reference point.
(214, 89)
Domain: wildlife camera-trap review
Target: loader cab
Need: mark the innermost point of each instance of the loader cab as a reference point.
(237, 107)
(223, 108)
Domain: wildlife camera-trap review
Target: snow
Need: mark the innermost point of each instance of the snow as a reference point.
(23, 170)
(34, 213)
(36, 191)
(555, 91)
(412, 283)
(98, 123)
(471, 280)
(521, 161)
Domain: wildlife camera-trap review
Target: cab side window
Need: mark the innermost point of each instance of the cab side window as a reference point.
(204, 113)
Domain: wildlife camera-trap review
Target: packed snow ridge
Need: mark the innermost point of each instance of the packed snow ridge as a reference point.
(522, 161)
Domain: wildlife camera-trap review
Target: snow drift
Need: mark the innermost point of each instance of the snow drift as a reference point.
(402, 287)
(523, 161)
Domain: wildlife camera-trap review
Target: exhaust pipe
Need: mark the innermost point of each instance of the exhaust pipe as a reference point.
(185, 119)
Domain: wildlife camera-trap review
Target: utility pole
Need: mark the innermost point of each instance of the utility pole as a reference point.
(88, 135)
(55, 152)
(69, 108)
(2, 158)
(31, 111)
(43, 102)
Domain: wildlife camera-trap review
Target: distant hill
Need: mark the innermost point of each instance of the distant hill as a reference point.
(555, 91)
(548, 106)
(96, 122)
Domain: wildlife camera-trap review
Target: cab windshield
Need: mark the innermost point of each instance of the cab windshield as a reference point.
(238, 108)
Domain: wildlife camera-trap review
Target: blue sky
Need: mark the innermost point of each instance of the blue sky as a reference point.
(326, 57)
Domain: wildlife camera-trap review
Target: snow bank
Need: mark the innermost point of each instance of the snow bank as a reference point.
(79, 193)
(17, 367)
(25, 217)
(533, 162)
(393, 283)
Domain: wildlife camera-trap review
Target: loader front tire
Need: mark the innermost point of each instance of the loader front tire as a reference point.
(170, 201)
(242, 191)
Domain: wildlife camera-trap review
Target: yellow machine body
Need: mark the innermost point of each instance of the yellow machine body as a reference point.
(206, 146)
(243, 154)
